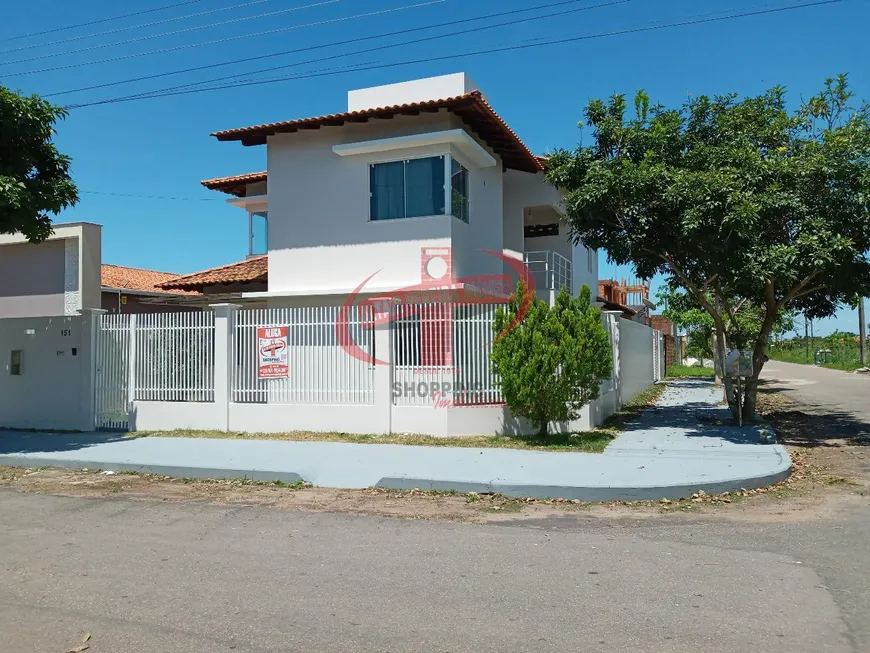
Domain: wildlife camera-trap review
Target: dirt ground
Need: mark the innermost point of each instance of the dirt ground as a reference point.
(827, 474)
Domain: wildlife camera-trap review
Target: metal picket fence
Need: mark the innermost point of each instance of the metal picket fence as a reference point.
(173, 356)
(330, 356)
(111, 393)
(441, 355)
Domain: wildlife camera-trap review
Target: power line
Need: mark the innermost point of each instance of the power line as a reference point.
(432, 38)
(391, 45)
(574, 39)
(100, 20)
(153, 197)
(148, 37)
(131, 27)
(310, 48)
(227, 39)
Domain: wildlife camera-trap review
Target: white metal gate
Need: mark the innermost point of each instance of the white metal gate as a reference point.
(111, 395)
(658, 351)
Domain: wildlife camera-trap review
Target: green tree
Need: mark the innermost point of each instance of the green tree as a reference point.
(34, 177)
(552, 361)
(688, 315)
(734, 200)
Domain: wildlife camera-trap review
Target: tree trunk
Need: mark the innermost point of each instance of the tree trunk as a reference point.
(717, 358)
(720, 349)
(731, 395)
(750, 397)
(542, 429)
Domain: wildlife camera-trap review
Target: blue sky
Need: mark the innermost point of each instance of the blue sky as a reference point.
(161, 147)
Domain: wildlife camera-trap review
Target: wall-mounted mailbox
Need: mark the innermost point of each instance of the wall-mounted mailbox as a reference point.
(15, 362)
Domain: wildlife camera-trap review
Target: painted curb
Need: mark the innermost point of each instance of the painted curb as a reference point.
(589, 493)
(399, 483)
(159, 470)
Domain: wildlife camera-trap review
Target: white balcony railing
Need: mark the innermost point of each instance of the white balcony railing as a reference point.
(551, 270)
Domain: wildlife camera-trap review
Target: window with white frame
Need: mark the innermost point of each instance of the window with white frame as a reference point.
(590, 258)
(458, 190)
(415, 188)
(258, 233)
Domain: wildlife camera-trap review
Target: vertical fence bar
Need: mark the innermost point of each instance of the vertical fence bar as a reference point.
(131, 360)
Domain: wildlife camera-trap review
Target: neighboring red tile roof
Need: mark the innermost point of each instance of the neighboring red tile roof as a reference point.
(249, 271)
(235, 185)
(471, 107)
(613, 306)
(126, 278)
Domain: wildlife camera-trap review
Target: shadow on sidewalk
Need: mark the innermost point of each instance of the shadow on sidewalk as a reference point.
(698, 419)
(810, 425)
(24, 442)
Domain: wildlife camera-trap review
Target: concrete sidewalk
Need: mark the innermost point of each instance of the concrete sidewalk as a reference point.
(669, 452)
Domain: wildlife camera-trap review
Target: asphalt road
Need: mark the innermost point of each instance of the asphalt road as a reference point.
(148, 576)
(173, 577)
(843, 398)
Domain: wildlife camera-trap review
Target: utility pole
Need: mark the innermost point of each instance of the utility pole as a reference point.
(807, 336)
(862, 332)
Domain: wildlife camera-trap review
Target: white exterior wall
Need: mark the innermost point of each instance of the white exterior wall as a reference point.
(636, 371)
(417, 90)
(484, 228)
(560, 243)
(523, 190)
(174, 415)
(320, 234)
(582, 273)
(281, 418)
(55, 387)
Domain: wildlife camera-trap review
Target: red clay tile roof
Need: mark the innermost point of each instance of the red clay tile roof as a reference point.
(126, 278)
(235, 185)
(471, 107)
(249, 271)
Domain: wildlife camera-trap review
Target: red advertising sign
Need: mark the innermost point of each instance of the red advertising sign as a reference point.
(273, 354)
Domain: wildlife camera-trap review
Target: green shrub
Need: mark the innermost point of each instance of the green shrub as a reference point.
(551, 361)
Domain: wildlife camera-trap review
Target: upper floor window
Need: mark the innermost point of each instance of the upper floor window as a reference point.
(416, 188)
(258, 233)
(458, 190)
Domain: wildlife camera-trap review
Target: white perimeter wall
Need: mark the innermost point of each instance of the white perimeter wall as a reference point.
(54, 390)
(636, 358)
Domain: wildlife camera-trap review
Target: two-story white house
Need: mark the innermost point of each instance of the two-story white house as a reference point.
(409, 175)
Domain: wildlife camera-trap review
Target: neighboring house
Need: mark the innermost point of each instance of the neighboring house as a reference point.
(409, 170)
(672, 341)
(249, 276)
(64, 275)
(59, 276)
(134, 290)
(632, 299)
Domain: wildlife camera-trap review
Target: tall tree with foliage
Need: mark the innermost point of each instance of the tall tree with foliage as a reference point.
(735, 200)
(34, 177)
(554, 360)
(687, 314)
